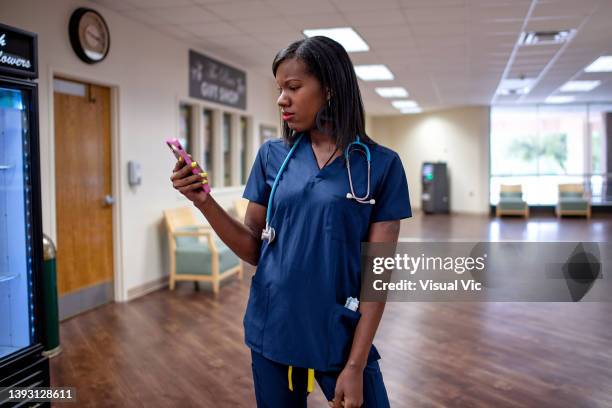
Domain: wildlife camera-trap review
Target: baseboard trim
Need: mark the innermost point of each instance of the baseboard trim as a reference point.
(84, 299)
(147, 288)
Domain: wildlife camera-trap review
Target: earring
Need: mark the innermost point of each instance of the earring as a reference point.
(324, 117)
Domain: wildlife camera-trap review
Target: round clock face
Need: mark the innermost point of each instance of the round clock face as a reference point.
(89, 35)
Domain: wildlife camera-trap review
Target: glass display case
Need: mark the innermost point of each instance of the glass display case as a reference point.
(22, 363)
(16, 291)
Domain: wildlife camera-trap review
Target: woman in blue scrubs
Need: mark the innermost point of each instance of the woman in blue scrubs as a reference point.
(296, 322)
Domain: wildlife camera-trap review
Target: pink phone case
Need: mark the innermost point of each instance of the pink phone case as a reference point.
(178, 151)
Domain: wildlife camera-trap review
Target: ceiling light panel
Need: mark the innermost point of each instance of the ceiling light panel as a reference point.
(601, 64)
(404, 104)
(560, 99)
(346, 36)
(374, 73)
(411, 110)
(579, 86)
(392, 92)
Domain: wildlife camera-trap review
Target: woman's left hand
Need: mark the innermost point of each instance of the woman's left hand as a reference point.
(349, 389)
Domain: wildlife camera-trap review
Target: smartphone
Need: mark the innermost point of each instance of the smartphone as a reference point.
(178, 151)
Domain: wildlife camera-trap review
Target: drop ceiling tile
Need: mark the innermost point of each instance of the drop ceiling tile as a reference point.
(383, 31)
(279, 40)
(241, 10)
(176, 31)
(299, 7)
(553, 23)
(364, 5)
(212, 29)
(430, 3)
(147, 4)
(183, 14)
(450, 29)
(235, 43)
(311, 21)
(436, 15)
(374, 18)
(117, 5)
(262, 25)
(378, 44)
(144, 16)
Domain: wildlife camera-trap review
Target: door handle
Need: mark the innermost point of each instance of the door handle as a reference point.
(109, 200)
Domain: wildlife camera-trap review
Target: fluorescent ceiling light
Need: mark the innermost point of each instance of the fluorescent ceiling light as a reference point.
(579, 86)
(601, 64)
(346, 36)
(560, 99)
(373, 73)
(392, 92)
(404, 104)
(411, 110)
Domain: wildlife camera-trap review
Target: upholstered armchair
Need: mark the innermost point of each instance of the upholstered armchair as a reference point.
(511, 201)
(196, 252)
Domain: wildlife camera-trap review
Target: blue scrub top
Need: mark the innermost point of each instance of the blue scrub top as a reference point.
(295, 314)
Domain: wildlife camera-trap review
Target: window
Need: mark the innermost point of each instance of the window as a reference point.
(267, 133)
(185, 129)
(227, 149)
(208, 128)
(543, 146)
(599, 115)
(244, 136)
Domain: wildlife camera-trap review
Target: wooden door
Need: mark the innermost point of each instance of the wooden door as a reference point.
(83, 195)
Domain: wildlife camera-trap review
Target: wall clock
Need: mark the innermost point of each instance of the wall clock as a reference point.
(89, 35)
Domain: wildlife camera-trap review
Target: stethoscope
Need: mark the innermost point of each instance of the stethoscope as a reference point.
(269, 233)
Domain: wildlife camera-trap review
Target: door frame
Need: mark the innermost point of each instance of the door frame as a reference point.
(120, 295)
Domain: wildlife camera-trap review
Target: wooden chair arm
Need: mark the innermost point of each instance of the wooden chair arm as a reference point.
(200, 233)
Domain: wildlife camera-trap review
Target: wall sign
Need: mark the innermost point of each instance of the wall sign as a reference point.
(17, 52)
(214, 81)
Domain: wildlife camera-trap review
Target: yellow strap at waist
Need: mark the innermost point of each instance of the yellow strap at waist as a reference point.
(310, 386)
(310, 383)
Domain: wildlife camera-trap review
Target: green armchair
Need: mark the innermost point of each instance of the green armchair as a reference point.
(511, 201)
(196, 253)
(573, 201)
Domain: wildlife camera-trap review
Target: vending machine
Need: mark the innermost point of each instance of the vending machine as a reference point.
(435, 191)
(21, 361)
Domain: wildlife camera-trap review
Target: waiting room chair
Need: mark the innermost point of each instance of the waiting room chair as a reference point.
(240, 206)
(196, 252)
(573, 201)
(511, 201)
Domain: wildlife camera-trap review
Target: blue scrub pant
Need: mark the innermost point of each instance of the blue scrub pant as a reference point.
(272, 384)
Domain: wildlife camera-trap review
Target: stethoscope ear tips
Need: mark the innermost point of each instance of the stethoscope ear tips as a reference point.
(370, 201)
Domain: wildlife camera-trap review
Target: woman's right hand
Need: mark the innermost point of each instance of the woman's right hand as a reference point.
(189, 184)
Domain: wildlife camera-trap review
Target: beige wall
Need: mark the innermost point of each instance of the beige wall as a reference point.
(148, 72)
(459, 137)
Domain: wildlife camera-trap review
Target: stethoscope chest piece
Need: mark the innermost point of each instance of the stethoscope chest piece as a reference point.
(268, 234)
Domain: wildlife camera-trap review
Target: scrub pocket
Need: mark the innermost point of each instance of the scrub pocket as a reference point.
(255, 317)
(341, 330)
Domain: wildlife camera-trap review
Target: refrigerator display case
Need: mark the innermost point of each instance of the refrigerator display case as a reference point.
(21, 361)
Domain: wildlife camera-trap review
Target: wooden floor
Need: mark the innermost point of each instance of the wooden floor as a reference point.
(185, 349)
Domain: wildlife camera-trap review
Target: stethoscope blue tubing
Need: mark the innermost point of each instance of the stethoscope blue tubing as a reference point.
(277, 178)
